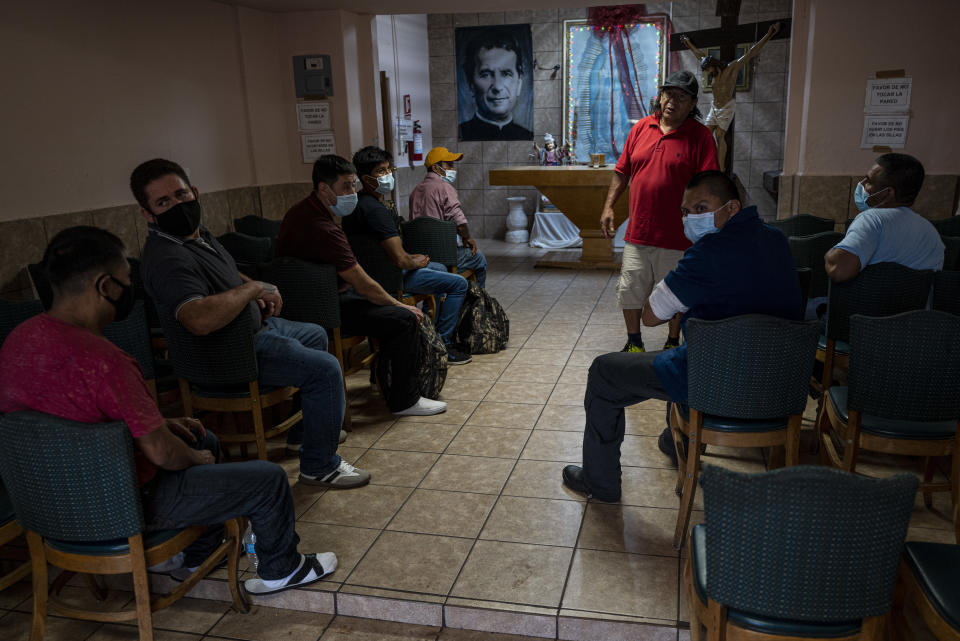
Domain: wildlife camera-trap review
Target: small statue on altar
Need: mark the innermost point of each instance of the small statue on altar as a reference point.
(724, 75)
(549, 155)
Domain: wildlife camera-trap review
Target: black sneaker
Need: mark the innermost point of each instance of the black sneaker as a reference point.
(456, 357)
(665, 443)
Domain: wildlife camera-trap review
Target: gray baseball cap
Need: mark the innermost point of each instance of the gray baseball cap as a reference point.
(683, 80)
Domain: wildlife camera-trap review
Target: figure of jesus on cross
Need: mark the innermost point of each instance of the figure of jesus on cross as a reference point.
(724, 76)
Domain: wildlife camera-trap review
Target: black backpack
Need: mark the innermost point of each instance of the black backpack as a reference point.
(433, 363)
(483, 327)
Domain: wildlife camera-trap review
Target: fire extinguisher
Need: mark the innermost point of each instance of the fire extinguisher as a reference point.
(416, 145)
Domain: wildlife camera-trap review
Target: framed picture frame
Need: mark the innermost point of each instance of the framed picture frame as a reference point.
(744, 75)
(610, 75)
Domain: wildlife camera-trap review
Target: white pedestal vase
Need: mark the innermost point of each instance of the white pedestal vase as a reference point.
(517, 221)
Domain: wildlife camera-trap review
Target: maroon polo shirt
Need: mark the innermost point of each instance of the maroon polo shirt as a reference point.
(309, 232)
(659, 166)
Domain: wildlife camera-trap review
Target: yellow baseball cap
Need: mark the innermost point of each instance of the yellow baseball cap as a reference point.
(440, 154)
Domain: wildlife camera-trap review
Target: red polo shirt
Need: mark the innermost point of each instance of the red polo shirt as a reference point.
(659, 166)
(309, 232)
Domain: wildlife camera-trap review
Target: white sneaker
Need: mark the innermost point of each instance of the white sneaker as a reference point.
(345, 476)
(423, 407)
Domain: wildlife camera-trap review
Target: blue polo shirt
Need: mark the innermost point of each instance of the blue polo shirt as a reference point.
(745, 268)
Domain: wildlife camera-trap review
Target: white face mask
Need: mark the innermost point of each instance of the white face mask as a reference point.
(450, 175)
(385, 184)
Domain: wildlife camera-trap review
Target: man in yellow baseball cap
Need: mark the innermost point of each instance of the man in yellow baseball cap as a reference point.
(436, 197)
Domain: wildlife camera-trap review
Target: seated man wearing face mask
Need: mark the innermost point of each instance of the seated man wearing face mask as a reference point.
(310, 232)
(420, 276)
(737, 265)
(436, 197)
(886, 229)
(192, 278)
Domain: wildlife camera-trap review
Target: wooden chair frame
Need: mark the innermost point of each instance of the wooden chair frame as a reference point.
(135, 562)
(688, 468)
(254, 402)
(8, 532)
(854, 439)
(908, 591)
(713, 616)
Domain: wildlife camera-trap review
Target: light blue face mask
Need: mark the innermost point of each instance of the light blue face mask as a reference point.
(860, 197)
(696, 226)
(345, 205)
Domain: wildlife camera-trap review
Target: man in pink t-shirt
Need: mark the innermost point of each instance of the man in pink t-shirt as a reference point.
(59, 363)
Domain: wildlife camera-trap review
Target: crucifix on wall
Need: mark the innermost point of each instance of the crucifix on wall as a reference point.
(724, 71)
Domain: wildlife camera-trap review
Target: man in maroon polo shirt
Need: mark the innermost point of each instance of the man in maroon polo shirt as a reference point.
(662, 153)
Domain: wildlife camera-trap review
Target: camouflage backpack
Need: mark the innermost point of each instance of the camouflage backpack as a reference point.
(483, 327)
(433, 363)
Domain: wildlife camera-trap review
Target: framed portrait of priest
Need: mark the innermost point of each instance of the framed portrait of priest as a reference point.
(495, 82)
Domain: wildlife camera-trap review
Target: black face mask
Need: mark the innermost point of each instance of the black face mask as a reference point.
(182, 219)
(123, 305)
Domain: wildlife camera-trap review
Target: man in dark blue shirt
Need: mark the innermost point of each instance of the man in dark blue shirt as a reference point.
(737, 265)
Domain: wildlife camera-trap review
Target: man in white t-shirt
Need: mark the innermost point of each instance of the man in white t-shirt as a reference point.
(886, 230)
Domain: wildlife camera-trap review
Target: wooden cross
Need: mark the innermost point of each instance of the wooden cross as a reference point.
(728, 36)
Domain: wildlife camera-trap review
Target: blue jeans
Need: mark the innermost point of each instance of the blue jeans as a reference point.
(435, 279)
(291, 353)
(211, 494)
(466, 260)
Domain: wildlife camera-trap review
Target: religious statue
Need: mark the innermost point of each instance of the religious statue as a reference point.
(724, 76)
(549, 155)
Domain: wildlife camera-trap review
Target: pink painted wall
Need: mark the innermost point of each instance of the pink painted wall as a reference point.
(91, 89)
(836, 47)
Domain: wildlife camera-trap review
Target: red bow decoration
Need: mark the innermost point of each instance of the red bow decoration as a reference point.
(617, 15)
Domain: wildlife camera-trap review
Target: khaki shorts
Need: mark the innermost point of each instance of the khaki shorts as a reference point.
(642, 268)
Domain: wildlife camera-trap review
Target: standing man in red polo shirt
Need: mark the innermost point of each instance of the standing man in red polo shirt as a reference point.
(662, 153)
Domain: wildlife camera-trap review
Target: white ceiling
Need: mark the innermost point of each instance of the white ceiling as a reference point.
(413, 6)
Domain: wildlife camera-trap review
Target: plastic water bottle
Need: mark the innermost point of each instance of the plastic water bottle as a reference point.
(249, 544)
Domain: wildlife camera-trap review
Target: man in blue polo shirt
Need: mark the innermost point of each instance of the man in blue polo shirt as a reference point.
(736, 266)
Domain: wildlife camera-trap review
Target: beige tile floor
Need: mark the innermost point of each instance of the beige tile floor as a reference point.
(466, 523)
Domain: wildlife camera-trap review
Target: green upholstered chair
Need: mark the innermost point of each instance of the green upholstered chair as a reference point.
(802, 225)
(9, 530)
(901, 396)
(808, 251)
(74, 490)
(218, 372)
(310, 295)
(929, 581)
(434, 238)
(881, 289)
(747, 387)
(14, 312)
(797, 553)
(946, 292)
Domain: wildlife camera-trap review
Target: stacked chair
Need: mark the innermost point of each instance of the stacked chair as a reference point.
(260, 227)
(74, 489)
(249, 252)
(14, 312)
(948, 226)
(748, 380)
(951, 253)
(797, 553)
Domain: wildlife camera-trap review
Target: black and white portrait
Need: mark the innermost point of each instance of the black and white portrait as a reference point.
(495, 82)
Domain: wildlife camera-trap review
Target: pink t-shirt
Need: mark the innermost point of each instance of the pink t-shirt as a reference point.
(51, 366)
